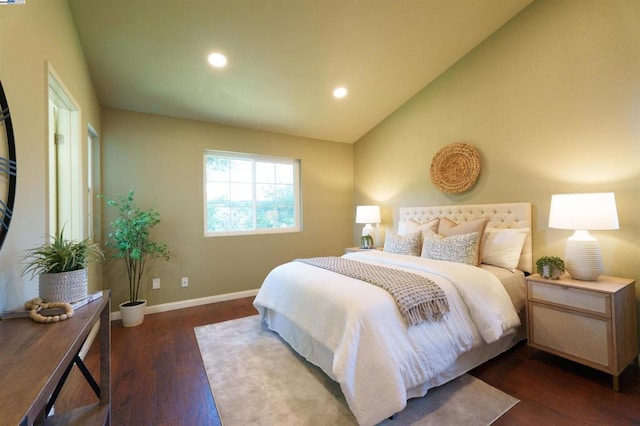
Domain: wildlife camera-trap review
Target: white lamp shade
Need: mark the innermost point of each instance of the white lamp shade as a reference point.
(592, 212)
(583, 212)
(368, 214)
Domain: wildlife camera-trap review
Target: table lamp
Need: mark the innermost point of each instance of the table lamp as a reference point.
(582, 213)
(367, 215)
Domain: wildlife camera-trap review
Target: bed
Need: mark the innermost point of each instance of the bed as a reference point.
(360, 336)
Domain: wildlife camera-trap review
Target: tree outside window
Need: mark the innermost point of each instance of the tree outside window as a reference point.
(250, 194)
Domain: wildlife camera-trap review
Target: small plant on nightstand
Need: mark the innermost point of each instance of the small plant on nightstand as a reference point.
(366, 242)
(550, 267)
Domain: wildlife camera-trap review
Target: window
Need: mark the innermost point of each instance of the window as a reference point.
(250, 194)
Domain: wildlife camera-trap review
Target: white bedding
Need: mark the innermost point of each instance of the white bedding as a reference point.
(377, 360)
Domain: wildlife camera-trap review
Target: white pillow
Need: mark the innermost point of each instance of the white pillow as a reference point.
(456, 248)
(502, 247)
(409, 226)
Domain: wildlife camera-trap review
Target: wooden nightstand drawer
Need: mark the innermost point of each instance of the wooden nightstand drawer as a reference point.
(572, 334)
(583, 300)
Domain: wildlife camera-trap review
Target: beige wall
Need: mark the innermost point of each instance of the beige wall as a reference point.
(163, 159)
(32, 35)
(551, 101)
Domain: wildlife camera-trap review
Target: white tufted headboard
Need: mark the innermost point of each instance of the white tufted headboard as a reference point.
(502, 215)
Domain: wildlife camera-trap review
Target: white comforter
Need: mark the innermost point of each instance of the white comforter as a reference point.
(376, 357)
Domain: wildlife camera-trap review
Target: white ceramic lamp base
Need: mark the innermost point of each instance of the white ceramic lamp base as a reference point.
(367, 230)
(583, 259)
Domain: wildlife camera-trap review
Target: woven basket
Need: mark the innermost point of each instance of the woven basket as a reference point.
(455, 168)
(67, 287)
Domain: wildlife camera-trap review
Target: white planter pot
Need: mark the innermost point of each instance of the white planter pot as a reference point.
(132, 315)
(552, 273)
(67, 287)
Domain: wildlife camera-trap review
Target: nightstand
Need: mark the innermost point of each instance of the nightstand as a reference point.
(590, 322)
(354, 249)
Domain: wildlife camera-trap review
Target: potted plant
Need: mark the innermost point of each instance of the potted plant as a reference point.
(366, 242)
(61, 267)
(550, 267)
(130, 238)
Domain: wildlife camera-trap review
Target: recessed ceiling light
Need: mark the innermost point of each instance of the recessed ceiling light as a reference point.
(217, 60)
(339, 92)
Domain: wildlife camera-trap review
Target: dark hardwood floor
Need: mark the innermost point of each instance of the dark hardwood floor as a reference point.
(158, 378)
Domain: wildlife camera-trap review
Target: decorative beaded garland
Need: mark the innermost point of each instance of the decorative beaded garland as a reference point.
(36, 304)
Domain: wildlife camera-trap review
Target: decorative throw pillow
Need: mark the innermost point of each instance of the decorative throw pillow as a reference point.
(502, 247)
(403, 244)
(409, 226)
(448, 228)
(457, 248)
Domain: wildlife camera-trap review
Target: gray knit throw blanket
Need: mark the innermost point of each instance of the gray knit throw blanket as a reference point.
(418, 298)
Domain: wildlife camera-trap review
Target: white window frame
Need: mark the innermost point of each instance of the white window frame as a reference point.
(255, 157)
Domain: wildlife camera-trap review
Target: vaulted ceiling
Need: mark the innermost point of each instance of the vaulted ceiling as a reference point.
(285, 57)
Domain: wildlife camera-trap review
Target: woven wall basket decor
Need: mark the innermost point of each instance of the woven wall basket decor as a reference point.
(455, 168)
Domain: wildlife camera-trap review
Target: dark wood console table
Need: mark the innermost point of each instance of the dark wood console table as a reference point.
(34, 359)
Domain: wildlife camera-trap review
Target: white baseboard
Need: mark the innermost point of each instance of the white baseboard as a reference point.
(172, 306)
(90, 338)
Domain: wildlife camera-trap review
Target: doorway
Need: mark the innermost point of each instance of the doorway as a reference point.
(65, 189)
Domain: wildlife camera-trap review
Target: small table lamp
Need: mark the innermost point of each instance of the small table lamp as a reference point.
(581, 213)
(367, 215)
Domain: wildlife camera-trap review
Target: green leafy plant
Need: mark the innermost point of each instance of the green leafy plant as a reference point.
(366, 241)
(554, 262)
(61, 255)
(130, 239)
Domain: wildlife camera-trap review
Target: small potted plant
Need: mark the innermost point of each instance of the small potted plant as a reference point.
(366, 242)
(61, 267)
(130, 239)
(550, 267)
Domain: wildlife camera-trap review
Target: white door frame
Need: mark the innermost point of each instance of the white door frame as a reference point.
(66, 194)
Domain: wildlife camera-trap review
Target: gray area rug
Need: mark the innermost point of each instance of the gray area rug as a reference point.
(257, 379)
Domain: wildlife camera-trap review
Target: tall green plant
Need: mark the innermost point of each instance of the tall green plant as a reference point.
(130, 239)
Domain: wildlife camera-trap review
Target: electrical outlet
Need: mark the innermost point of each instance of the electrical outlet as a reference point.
(185, 282)
(155, 283)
